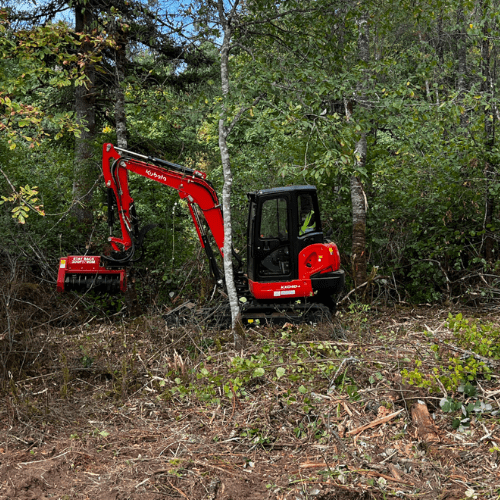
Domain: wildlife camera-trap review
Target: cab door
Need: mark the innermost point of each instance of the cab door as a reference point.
(272, 257)
(252, 221)
(309, 223)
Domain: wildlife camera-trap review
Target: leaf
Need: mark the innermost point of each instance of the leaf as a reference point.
(259, 372)
(280, 372)
(470, 390)
(302, 389)
(445, 405)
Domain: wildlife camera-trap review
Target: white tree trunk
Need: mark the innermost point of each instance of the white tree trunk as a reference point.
(358, 202)
(228, 180)
(358, 197)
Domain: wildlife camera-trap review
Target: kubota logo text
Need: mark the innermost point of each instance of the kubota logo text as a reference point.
(156, 176)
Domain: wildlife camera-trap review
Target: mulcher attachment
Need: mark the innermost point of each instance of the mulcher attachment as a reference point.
(82, 273)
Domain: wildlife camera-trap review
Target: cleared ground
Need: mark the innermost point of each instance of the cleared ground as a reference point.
(136, 410)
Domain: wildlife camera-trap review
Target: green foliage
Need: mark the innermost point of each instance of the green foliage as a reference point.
(477, 407)
(458, 374)
(428, 152)
(483, 339)
(25, 198)
(451, 374)
(301, 364)
(47, 54)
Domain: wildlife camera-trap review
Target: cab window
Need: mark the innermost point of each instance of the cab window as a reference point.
(307, 217)
(274, 220)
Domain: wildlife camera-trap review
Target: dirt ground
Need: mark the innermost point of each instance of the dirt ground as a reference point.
(97, 412)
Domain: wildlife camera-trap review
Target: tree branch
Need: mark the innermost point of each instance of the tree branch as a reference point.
(238, 115)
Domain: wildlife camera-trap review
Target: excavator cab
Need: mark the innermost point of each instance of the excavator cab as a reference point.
(282, 221)
(287, 256)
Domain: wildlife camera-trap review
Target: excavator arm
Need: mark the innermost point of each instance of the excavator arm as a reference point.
(192, 187)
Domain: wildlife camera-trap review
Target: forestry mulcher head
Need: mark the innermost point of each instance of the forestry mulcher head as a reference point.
(81, 273)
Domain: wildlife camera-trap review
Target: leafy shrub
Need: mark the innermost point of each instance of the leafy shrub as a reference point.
(481, 339)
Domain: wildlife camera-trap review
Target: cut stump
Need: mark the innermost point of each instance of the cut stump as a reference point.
(426, 430)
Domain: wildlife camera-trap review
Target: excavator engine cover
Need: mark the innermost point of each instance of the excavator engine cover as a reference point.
(84, 272)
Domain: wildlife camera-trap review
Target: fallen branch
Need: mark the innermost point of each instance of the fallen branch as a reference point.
(385, 476)
(378, 277)
(178, 490)
(374, 423)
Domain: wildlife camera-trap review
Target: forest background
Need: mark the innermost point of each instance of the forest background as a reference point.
(390, 109)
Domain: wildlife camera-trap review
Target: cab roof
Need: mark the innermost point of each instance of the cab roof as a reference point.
(283, 190)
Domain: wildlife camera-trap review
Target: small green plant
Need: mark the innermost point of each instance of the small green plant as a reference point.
(347, 384)
(87, 361)
(256, 436)
(97, 432)
(481, 339)
(451, 376)
(450, 405)
(377, 376)
(358, 312)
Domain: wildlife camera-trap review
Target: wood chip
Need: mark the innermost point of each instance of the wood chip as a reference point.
(374, 423)
(394, 472)
(313, 465)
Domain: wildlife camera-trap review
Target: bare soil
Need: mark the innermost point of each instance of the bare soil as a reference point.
(88, 412)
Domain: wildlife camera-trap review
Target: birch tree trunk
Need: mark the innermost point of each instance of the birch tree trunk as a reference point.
(224, 130)
(85, 168)
(358, 197)
(358, 203)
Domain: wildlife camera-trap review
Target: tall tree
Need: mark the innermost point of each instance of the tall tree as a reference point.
(86, 165)
(227, 22)
(92, 17)
(358, 196)
(490, 169)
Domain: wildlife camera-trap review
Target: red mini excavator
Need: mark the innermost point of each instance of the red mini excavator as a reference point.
(292, 273)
